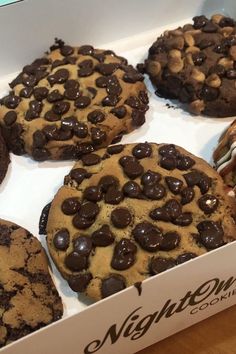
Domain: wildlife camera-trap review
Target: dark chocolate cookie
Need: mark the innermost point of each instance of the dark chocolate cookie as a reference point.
(196, 64)
(71, 102)
(132, 211)
(28, 297)
(4, 158)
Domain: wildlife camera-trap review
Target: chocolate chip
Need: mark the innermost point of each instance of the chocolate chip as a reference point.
(199, 21)
(76, 262)
(184, 219)
(83, 245)
(170, 241)
(71, 84)
(154, 191)
(204, 184)
(127, 159)
(72, 93)
(93, 193)
(124, 254)
(119, 112)
(121, 217)
(133, 102)
(59, 77)
(113, 86)
(187, 195)
(208, 203)
(96, 116)
(132, 189)
(168, 162)
(159, 264)
(79, 174)
(211, 234)
(113, 196)
(79, 282)
(173, 208)
(160, 214)
(82, 102)
(61, 239)
(86, 70)
(192, 178)
(101, 82)
(107, 69)
(217, 69)
(29, 80)
(184, 257)
(26, 92)
(61, 107)
(88, 210)
(11, 101)
(198, 58)
(184, 162)
(39, 139)
(142, 150)
(231, 74)
(138, 118)
(102, 237)
(51, 116)
(80, 130)
(112, 150)
(70, 206)
(66, 50)
(110, 100)
(54, 96)
(143, 97)
(150, 177)
(86, 50)
(92, 91)
(108, 181)
(209, 93)
(210, 27)
(168, 150)
(174, 184)
(227, 22)
(111, 285)
(40, 154)
(35, 108)
(98, 136)
(10, 118)
(90, 159)
(148, 236)
(133, 169)
(131, 75)
(82, 223)
(99, 56)
(40, 93)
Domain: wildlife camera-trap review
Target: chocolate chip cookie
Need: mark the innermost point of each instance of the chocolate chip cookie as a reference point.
(28, 297)
(224, 155)
(4, 158)
(128, 212)
(71, 102)
(196, 64)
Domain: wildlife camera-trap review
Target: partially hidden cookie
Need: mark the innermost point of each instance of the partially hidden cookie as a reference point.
(224, 155)
(132, 211)
(28, 297)
(72, 101)
(4, 158)
(196, 64)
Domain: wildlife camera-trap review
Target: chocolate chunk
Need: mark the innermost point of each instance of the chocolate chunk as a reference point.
(10, 118)
(102, 237)
(40, 93)
(132, 189)
(90, 159)
(70, 206)
(182, 258)
(112, 284)
(76, 262)
(174, 184)
(159, 265)
(184, 219)
(83, 245)
(82, 102)
(112, 150)
(107, 69)
(208, 203)
(148, 236)
(11, 101)
(160, 214)
(121, 217)
(79, 282)
(154, 191)
(39, 139)
(108, 181)
(168, 162)
(96, 116)
(86, 50)
(110, 100)
(26, 92)
(124, 254)
(150, 177)
(187, 195)
(142, 150)
(93, 193)
(119, 112)
(138, 118)
(211, 234)
(170, 240)
(66, 50)
(113, 196)
(61, 107)
(61, 240)
(98, 136)
(79, 174)
(44, 219)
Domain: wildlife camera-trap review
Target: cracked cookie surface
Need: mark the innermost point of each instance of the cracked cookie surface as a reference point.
(28, 297)
(196, 64)
(131, 211)
(72, 101)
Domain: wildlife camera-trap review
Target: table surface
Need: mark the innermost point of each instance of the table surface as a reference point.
(215, 335)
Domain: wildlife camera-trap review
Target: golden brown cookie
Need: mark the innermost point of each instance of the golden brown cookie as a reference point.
(131, 211)
(71, 102)
(196, 64)
(28, 297)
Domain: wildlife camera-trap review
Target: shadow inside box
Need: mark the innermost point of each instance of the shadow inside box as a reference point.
(226, 7)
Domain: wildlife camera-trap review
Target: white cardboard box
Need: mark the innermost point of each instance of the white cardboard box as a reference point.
(171, 301)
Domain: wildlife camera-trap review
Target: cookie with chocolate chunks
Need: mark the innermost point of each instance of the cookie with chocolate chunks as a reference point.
(125, 214)
(196, 64)
(4, 158)
(71, 102)
(29, 299)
